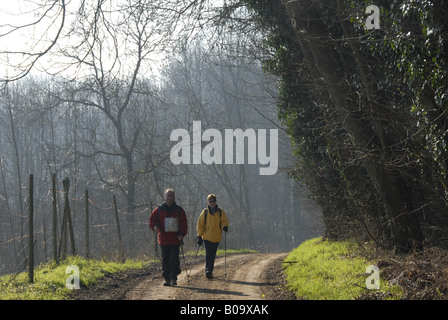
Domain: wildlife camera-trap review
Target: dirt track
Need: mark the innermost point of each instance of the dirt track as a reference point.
(248, 276)
(242, 278)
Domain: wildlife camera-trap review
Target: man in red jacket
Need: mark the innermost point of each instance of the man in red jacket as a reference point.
(170, 222)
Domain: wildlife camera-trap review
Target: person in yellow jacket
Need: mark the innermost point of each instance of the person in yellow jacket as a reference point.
(211, 223)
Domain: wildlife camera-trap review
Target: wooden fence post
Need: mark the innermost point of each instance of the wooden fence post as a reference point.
(66, 223)
(45, 240)
(87, 225)
(31, 232)
(55, 219)
(118, 228)
(62, 253)
(66, 184)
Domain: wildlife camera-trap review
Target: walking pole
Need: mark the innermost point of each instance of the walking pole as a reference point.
(225, 253)
(197, 251)
(191, 267)
(155, 245)
(157, 256)
(185, 261)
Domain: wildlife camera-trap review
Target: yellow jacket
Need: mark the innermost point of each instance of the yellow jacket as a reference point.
(210, 230)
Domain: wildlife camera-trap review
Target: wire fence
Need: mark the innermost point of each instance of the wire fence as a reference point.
(59, 225)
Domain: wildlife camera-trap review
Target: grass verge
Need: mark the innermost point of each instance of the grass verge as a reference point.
(330, 270)
(50, 279)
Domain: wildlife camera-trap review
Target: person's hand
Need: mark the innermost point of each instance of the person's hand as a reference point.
(180, 237)
(156, 229)
(225, 229)
(199, 241)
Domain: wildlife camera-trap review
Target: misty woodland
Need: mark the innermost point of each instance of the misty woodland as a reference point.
(351, 104)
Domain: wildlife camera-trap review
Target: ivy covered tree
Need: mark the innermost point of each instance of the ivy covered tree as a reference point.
(366, 112)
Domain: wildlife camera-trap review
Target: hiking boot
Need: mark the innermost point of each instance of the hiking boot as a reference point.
(209, 275)
(167, 283)
(173, 282)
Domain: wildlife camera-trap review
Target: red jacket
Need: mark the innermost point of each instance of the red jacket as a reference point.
(171, 222)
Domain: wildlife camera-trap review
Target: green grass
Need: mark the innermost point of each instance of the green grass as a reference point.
(328, 270)
(50, 279)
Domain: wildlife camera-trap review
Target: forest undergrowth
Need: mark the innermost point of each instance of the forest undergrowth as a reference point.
(336, 270)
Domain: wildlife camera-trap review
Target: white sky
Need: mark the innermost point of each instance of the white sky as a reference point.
(25, 28)
(34, 37)
(19, 33)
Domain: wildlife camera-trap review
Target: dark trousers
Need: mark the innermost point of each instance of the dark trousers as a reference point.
(210, 255)
(170, 262)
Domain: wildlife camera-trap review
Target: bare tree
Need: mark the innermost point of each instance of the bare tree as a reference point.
(45, 21)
